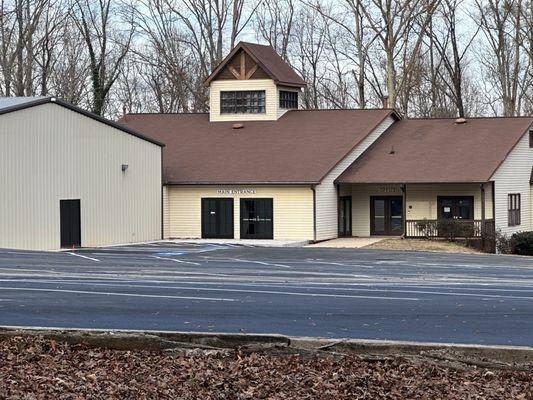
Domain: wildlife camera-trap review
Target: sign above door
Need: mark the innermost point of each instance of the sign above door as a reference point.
(236, 191)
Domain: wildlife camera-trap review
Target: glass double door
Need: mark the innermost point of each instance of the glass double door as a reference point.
(386, 215)
(257, 219)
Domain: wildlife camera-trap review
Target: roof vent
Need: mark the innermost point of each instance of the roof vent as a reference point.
(392, 151)
(460, 121)
(238, 126)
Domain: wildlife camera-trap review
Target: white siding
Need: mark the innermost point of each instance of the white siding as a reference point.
(293, 210)
(326, 192)
(271, 99)
(513, 177)
(49, 153)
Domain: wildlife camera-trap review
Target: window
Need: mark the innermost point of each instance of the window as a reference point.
(513, 205)
(242, 102)
(288, 99)
(531, 139)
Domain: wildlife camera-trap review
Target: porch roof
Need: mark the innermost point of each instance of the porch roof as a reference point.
(438, 151)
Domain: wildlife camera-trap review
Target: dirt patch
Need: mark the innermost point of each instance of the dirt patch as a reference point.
(422, 245)
(34, 367)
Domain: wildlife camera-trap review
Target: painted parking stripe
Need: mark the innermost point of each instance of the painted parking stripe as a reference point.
(261, 263)
(275, 292)
(116, 294)
(178, 261)
(350, 289)
(82, 256)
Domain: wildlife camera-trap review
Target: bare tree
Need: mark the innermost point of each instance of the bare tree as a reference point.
(70, 76)
(210, 24)
(274, 22)
(501, 23)
(352, 41)
(449, 66)
(107, 47)
(400, 26)
(19, 22)
(309, 41)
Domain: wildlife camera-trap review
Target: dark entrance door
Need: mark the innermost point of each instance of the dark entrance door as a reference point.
(257, 219)
(217, 218)
(69, 215)
(386, 215)
(345, 216)
(455, 207)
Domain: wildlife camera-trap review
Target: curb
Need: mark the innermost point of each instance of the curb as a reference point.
(486, 356)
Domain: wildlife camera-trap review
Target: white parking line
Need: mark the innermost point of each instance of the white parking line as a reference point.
(82, 256)
(116, 294)
(204, 289)
(178, 261)
(261, 263)
(338, 264)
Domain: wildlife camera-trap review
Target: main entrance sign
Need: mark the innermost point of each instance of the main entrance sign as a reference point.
(236, 191)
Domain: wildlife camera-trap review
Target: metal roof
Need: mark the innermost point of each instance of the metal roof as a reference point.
(11, 104)
(8, 102)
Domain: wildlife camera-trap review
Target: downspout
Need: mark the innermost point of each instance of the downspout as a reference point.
(162, 201)
(483, 228)
(494, 215)
(313, 188)
(337, 186)
(404, 191)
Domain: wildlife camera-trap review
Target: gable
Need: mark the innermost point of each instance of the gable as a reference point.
(242, 67)
(269, 65)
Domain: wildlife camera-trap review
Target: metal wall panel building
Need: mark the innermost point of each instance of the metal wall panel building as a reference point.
(49, 152)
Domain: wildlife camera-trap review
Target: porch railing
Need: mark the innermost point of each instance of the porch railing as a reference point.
(449, 228)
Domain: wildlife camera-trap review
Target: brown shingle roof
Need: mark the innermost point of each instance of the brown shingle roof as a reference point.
(438, 150)
(267, 58)
(300, 147)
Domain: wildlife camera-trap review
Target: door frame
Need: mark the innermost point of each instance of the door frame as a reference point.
(69, 245)
(348, 233)
(440, 198)
(203, 234)
(241, 222)
(387, 215)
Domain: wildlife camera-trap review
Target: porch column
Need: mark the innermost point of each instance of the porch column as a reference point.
(404, 203)
(482, 188)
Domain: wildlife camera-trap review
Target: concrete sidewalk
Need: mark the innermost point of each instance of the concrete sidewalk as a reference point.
(348, 242)
(242, 242)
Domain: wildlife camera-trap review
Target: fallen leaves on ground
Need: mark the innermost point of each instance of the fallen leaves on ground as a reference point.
(37, 368)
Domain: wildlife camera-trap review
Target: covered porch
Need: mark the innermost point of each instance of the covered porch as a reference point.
(459, 210)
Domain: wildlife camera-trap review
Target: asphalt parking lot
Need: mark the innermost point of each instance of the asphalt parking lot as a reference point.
(337, 293)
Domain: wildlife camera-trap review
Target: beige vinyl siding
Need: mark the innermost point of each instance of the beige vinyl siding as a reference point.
(49, 153)
(326, 192)
(271, 99)
(166, 212)
(421, 200)
(293, 210)
(513, 177)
